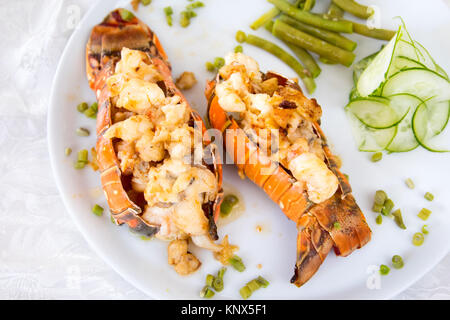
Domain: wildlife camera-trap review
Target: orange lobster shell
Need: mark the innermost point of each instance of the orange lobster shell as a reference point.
(102, 53)
(316, 222)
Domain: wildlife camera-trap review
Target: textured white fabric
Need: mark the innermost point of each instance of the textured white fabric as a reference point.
(42, 255)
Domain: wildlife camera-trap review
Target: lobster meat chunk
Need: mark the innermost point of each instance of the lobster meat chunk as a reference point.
(158, 177)
(271, 131)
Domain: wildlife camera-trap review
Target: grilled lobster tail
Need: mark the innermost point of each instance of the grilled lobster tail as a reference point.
(102, 54)
(337, 221)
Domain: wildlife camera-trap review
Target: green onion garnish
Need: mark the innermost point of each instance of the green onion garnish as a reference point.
(380, 197)
(126, 15)
(206, 293)
(337, 225)
(424, 229)
(263, 282)
(79, 165)
(146, 2)
(219, 62)
(240, 36)
(253, 285)
(377, 157)
(245, 292)
(82, 132)
(397, 262)
(379, 219)
(97, 210)
(238, 49)
(398, 218)
(424, 214)
(418, 239)
(67, 151)
(83, 155)
(236, 263)
(388, 206)
(90, 113)
(217, 284)
(410, 183)
(82, 107)
(429, 196)
(227, 204)
(210, 66)
(384, 270)
(221, 272)
(209, 280)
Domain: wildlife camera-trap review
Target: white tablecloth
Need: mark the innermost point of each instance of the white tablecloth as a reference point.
(42, 255)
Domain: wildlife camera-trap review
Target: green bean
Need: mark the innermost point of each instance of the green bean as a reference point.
(410, 183)
(206, 292)
(312, 19)
(418, 239)
(429, 196)
(424, 214)
(328, 36)
(326, 61)
(354, 8)
(285, 57)
(362, 29)
(399, 219)
(307, 60)
(397, 262)
(266, 17)
(334, 11)
(236, 263)
(308, 5)
(304, 40)
(384, 270)
(97, 210)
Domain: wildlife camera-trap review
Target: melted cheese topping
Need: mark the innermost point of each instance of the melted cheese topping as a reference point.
(155, 148)
(264, 105)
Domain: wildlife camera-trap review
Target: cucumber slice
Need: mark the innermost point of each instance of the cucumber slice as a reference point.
(426, 131)
(427, 56)
(423, 83)
(375, 113)
(370, 140)
(404, 140)
(438, 116)
(401, 63)
(374, 75)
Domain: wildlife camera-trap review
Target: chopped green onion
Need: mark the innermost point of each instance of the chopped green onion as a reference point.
(145, 238)
(113, 220)
(245, 292)
(377, 208)
(227, 205)
(398, 218)
(94, 106)
(82, 132)
(238, 49)
(253, 285)
(429, 196)
(79, 165)
(263, 282)
(410, 183)
(384, 270)
(380, 197)
(219, 62)
(337, 225)
(146, 2)
(377, 157)
(424, 229)
(168, 11)
(418, 239)
(379, 219)
(424, 214)
(82, 107)
(206, 293)
(67, 151)
(90, 113)
(397, 262)
(236, 263)
(194, 5)
(218, 284)
(126, 15)
(210, 66)
(185, 19)
(221, 272)
(83, 155)
(388, 206)
(240, 36)
(97, 210)
(209, 280)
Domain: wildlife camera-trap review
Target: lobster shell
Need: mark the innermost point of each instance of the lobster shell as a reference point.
(316, 222)
(102, 53)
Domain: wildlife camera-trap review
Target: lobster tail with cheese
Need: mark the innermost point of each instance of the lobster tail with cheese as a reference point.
(146, 132)
(276, 141)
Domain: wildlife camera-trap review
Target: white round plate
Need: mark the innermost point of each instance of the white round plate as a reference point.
(211, 34)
